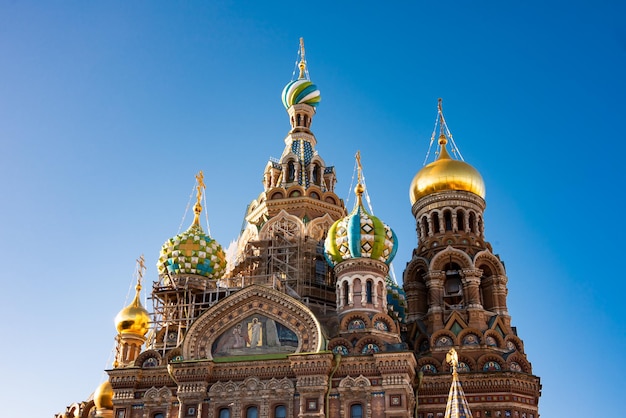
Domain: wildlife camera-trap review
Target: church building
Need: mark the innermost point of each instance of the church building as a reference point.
(302, 318)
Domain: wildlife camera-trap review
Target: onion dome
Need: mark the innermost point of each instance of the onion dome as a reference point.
(133, 319)
(302, 90)
(103, 396)
(360, 234)
(446, 174)
(193, 252)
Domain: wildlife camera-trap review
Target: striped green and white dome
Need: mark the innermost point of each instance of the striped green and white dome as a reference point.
(360, 234)
(301, 91)
(192, 252)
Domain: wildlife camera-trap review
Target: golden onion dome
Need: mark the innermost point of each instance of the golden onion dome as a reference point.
(103, 396)
(134, 318)
(446, 174)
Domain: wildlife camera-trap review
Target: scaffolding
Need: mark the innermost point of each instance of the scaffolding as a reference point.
(177, 302)
(290, 264)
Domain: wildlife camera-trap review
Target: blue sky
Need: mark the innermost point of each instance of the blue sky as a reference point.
(109, 109)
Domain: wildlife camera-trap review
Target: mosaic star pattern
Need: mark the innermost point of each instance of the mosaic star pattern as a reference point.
(360, 234)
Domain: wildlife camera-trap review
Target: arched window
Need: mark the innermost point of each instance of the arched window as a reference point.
(436, 228)
(291, 171)
(280, 411)
(345, 294)
(472, 222)
(460, 220)
(224, 413)
(453, 286)
(356, 411)
(252, 412)
(159, 415)
(447, 219)
(425, 226)
(316, 174)
(368, 291)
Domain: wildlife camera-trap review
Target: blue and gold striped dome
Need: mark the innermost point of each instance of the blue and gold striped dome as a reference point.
(360, 235)
(301, 91)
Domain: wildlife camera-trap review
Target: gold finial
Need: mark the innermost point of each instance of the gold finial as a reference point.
(359, 189)
(442, 135)
(452, 358)
(197, 208)
(302, 64)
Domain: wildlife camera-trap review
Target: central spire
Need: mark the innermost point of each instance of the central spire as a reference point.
(302, 64)
(457, 406)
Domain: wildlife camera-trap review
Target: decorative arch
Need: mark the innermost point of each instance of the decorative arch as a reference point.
(242, 307)
(429, 365)
(484, 361)
(453, 255)
(275, 194)
(340, 345)
(443, 338)
(517, 360)
(330, 197)
(496, 336)
(360, 382)
(369, 345)
(289, 226)
(314, 189)
(143, 360)
(164, 394)
(348, 319)
(513, 343)
(318, 227)
(174, 355)
(384, 318)
(487, 258)
(465, 337)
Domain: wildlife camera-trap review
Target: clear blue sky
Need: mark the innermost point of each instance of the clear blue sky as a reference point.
(109, 109)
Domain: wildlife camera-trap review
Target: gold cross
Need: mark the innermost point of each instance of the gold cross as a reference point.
(188, 247)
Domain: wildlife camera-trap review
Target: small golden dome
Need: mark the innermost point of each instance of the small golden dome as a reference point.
(103, 396)
(446, 174)
(133, 318)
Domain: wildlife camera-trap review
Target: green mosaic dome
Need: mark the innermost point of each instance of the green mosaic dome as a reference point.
(192, 252)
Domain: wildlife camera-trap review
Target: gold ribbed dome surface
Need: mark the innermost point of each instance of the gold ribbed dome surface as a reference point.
(103, 396)
(446, 174)
(133, 318)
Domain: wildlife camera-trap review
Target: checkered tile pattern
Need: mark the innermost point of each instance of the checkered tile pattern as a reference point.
(192, 252)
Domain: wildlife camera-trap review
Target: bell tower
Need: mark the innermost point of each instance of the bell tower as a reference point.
(456, 292)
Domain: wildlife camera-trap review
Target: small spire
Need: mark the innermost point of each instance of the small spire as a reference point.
(359, 189)
(197, 208)
(443, 140)
(457, 406)
(141, 269)
(302, 64)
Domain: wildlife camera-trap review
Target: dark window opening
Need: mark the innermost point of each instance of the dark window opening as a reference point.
(447, 218)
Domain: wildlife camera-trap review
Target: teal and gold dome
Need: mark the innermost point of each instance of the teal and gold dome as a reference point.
(302, 90)
(360, 235)
(193, 251)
